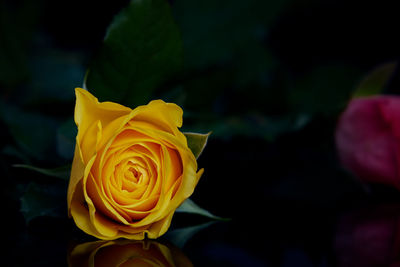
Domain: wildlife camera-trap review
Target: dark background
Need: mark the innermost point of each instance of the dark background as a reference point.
(269, 79)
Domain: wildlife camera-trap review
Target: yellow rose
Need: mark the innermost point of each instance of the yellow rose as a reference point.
(126, 253)
(131, 168)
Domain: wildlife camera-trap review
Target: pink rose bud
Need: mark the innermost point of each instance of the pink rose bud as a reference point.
(368, 139)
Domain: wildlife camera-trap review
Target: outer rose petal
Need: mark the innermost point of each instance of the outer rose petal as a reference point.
(167, 113)
(88, 110)
(79, 168)
(366, 140)
(77, 171)
(166, 116)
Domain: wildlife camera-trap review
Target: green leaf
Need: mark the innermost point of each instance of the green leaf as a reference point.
(376, 80)
(325, 90)
(62, 172)
(197, 142)
(142, 49)
(43, 200)
(33, 132)
(217, 31)
(12, 151)
(54, 75)
(257, 125)
(188, 206)
(180, 236)
(66, 134)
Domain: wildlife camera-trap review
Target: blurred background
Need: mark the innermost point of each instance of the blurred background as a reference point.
(268, 78)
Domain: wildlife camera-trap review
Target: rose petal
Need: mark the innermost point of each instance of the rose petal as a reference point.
(80, 213)
(77, 171)
(88, 110)
(366, 142)
(166, 115)
(160, 227)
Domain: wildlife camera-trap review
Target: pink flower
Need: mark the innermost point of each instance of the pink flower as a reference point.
(368, 139)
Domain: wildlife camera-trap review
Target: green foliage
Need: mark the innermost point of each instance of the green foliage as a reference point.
(233, 84)
(226, 52)
(216, 31)
(141, 50)
(33, 132)
(60, 172)
(325, 90)
(54, 75)
(188, 206)
(43, 200)
(257, 125)
(180, 236)
(12, 151)
(375, 81)
(197, 142)
(66, 135)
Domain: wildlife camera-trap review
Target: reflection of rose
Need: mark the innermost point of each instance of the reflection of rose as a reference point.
(370, 237)
(126, 253)
(368, 139)
(131, 168)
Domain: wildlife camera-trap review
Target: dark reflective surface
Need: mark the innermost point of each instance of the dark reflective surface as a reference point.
(369, 237)
(366, 235)
(126, 253)
(307, 217)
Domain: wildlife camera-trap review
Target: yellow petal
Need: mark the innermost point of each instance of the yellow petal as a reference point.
(88, 110)
(102, 203)
(189, 182)
(157, 110)
(137, 235)
(89, 145)
(166, 116)
(77, 171)
(172, 166)
(159, 228)
(80, 213)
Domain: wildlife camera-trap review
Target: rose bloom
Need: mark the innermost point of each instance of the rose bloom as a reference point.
(126, 253)
(368, 139)
(131, 168)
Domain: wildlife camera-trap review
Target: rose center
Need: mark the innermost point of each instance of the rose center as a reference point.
(132, 177)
